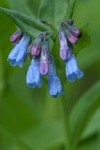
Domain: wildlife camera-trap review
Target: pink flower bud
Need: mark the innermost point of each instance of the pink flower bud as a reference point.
(16, 37)
(35, 51)
(75, 31)
(73, 39)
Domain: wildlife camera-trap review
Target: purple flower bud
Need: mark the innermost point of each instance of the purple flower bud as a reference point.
(36, 47)
(18, 54)
(54, 84)
(33, 77)
(73, 39)
(15, 38)
(72, 70)
(35, 51)
(64, 49)
(44, 61)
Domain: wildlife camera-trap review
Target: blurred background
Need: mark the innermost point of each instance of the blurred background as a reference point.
(29, 118)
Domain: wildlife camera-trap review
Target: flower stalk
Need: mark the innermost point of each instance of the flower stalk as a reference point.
(65, 114)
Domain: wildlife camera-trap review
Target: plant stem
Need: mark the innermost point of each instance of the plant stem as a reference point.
(65, 117)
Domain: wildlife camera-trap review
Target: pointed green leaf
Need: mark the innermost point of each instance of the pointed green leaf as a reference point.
(32, 32)
(93, 126)
(30, 21)
(83, 111)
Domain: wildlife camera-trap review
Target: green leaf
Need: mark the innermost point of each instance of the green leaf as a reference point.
(83, 111)
(91, 143)
(44, 136)
(13, 138)
(28, 7)
(93, 126)
(25, 19)
(21, 6)
(53, 11)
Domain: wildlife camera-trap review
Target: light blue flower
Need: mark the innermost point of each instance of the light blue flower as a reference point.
(72, 70)
(18, 54)
(33, 78)
(54, 84)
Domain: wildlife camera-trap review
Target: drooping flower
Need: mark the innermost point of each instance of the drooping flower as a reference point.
(44, 60)
(18, 54)
(33, 77)
(54, 84)
(64, 48)
(72, 70)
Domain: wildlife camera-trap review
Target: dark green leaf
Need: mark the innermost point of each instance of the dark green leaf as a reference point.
(93, 126)
(83, 111)
(91, 143)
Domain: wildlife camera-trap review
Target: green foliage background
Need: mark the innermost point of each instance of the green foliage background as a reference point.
(31, 119)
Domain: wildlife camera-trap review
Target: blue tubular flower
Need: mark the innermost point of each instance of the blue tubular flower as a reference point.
(72, 70)
(18, 54)
(33, 78)
(54, 84)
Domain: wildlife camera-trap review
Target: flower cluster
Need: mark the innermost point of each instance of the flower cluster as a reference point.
(42, 63)
(68, 35)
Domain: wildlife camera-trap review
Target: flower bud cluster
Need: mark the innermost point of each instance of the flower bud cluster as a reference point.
(68, 36)
(42, 63)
